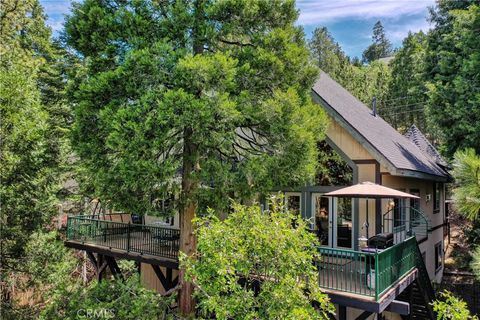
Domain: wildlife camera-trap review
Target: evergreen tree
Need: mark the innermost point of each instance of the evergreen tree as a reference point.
(326, 53)
(208, 98)
(452, 73)
(406, 96)
(33, 129)
(381, 46)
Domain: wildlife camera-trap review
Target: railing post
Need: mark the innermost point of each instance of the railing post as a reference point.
(128, 237)
(69, 228)
(377, 290)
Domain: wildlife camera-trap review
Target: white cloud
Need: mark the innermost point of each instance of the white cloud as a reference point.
(321, 11)
(400, 31)
(56, 11)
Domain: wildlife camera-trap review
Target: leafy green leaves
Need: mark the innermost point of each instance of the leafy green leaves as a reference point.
(452, 308)
(231, 77)
(256, 265)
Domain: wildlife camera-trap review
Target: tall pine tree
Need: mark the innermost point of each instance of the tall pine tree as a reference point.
(208, 98)
(381, 46)
(452, 73)
(33, 129)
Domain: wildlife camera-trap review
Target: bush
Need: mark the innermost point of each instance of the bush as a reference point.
(451, 308)
(256, 265)
(115, 299)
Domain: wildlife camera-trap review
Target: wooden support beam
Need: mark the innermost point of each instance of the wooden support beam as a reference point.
(92, 258)
(342, 313)
(400, 307)
(114, 268)
(101, 266)
(364, 315)
(161, 277)
(122, 254)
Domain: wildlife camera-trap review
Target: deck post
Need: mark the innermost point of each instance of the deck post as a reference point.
(342, 312)
(376, 276)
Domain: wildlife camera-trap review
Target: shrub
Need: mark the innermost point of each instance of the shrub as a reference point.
(256, 265)
(450, 307)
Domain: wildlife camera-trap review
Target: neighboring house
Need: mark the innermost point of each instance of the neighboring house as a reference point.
(360, 284)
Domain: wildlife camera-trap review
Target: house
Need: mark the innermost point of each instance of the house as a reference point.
(378, 153)
(362, 284)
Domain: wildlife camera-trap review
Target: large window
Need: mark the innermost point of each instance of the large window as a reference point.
(436, 197)
(438, 256)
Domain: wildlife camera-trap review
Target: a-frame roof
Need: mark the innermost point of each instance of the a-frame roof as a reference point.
(396, 152)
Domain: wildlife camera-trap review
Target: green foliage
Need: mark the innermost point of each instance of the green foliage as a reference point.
(48, 261)
(451, 308)
(381, 46)
(223, 87)
(114, 299)
(452, 69)
(407, 90)
(46, 270)
(33, 125)
(475, 264)
(326, 53)
(271, 250)
(467, 175)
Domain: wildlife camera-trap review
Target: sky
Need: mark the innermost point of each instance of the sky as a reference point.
(349, 21)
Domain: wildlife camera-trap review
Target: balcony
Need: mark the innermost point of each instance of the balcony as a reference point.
(140, 242)
(366, 275)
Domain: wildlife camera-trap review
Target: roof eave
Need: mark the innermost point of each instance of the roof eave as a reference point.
(355, 134)
(394, 171)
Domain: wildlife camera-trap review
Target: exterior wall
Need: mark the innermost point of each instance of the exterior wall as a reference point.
(150, 280)
(353, 313)
(436, 220)
(346, 142)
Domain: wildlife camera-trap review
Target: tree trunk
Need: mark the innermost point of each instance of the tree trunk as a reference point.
(188, 241)
(187, 214)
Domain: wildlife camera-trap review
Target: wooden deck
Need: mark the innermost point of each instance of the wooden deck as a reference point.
(143, 248)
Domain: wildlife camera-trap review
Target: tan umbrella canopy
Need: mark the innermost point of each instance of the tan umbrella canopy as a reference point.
(369, 190)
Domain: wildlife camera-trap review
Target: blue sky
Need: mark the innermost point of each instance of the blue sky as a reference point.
(349, 21)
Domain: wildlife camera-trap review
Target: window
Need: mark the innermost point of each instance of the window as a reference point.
(399, 215)
(438, 256)
(436, 197)
(293, 202)
(415, 203)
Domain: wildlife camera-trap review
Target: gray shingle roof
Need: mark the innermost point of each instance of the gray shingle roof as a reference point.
(396, 149)
(418, 138)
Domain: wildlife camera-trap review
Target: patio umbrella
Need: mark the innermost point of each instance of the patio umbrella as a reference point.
(369, 190)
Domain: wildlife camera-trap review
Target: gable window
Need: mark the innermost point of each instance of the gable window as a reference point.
(436, 197)
(438, 256)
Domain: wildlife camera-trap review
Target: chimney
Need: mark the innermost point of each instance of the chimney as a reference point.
(374, 106)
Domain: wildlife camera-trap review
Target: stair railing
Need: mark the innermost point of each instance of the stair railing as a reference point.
(415, 223)
(424, 282)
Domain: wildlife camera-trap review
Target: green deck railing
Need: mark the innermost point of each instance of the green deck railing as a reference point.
(366, 273)
(137, 238)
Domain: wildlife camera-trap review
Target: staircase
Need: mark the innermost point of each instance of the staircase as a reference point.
(419, 294)
(405, 221)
